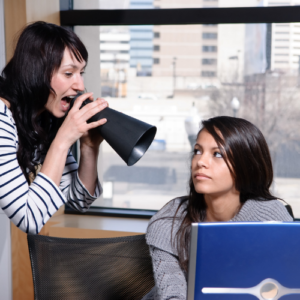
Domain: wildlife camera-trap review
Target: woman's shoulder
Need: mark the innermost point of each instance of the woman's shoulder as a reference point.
(168, 211)
(165, 223)
(263, 210)
(8, 126)
(5, 112)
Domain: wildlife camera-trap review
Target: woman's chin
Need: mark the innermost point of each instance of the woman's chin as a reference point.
(201, 188)
(58, 113)
(201, 192)
(207, 191)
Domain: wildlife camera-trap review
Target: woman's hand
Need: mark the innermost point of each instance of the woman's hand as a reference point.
(75, 125)
(89, 150)
(92, 138)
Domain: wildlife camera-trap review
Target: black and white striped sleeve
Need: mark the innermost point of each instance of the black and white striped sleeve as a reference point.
(30, 207)
(73, 189)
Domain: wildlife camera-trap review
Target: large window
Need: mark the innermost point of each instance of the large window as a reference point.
(174, 76)
(157, 4)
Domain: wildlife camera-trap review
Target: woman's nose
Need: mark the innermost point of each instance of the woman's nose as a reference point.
(203, 161)
(78, 83)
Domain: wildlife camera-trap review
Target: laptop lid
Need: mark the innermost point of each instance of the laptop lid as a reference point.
(244, 261)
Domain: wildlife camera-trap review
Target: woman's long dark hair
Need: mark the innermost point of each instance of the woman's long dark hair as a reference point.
(25, 84)
(247, 155)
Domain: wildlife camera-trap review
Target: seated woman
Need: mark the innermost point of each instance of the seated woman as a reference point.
(231, 175)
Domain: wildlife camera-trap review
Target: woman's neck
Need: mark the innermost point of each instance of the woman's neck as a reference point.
(222, 208)
(5, 102)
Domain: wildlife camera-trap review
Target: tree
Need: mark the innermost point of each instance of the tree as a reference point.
(271, 101)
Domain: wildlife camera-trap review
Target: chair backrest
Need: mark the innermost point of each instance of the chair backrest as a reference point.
(106, 269)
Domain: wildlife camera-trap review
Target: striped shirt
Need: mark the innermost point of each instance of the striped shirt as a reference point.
(29, 207)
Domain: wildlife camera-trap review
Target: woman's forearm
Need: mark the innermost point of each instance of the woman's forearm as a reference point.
(55, 161)
(87, 171)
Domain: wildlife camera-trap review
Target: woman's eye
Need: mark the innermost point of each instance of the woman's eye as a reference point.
(197, 151)
(81, 73)
(218, 155)
(68, 74)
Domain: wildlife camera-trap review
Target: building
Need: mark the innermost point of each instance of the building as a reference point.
(242, 47)
(141, 42)
(203, 55)
(114, 60)
(185, 51)
(285, 42)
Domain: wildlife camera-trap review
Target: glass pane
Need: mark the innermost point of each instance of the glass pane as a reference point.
(173, 76)
(160, 4)
(251, 3)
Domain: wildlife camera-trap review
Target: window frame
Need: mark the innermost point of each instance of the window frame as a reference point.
(178, 16)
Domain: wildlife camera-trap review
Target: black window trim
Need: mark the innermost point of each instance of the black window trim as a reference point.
(113, 212)
(179, 16)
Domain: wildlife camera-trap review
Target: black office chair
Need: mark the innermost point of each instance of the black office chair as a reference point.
(106, 269)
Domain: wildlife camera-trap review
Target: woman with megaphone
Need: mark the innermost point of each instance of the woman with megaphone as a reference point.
(38, 128)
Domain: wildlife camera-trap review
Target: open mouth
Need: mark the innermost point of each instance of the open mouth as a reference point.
(65, 102)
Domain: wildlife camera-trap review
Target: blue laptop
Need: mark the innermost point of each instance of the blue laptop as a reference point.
(244, 261)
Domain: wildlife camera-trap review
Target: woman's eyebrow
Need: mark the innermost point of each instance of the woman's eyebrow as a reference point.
(73, 66)
(70, 65)
(210, 148)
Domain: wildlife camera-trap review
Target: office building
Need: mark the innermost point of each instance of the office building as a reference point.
(211, 52)
(114, 60)
(141, 42)
(185, 50)
(285, 42)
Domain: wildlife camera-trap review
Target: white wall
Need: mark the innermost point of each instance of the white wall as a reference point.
(5, 242)
(5, 258)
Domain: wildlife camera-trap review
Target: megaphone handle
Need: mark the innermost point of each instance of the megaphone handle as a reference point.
(94, 118)
(85, 102)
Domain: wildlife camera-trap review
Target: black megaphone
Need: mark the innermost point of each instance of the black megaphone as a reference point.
(128, 136)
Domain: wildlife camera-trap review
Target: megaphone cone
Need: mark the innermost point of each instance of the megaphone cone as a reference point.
(128, 136)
